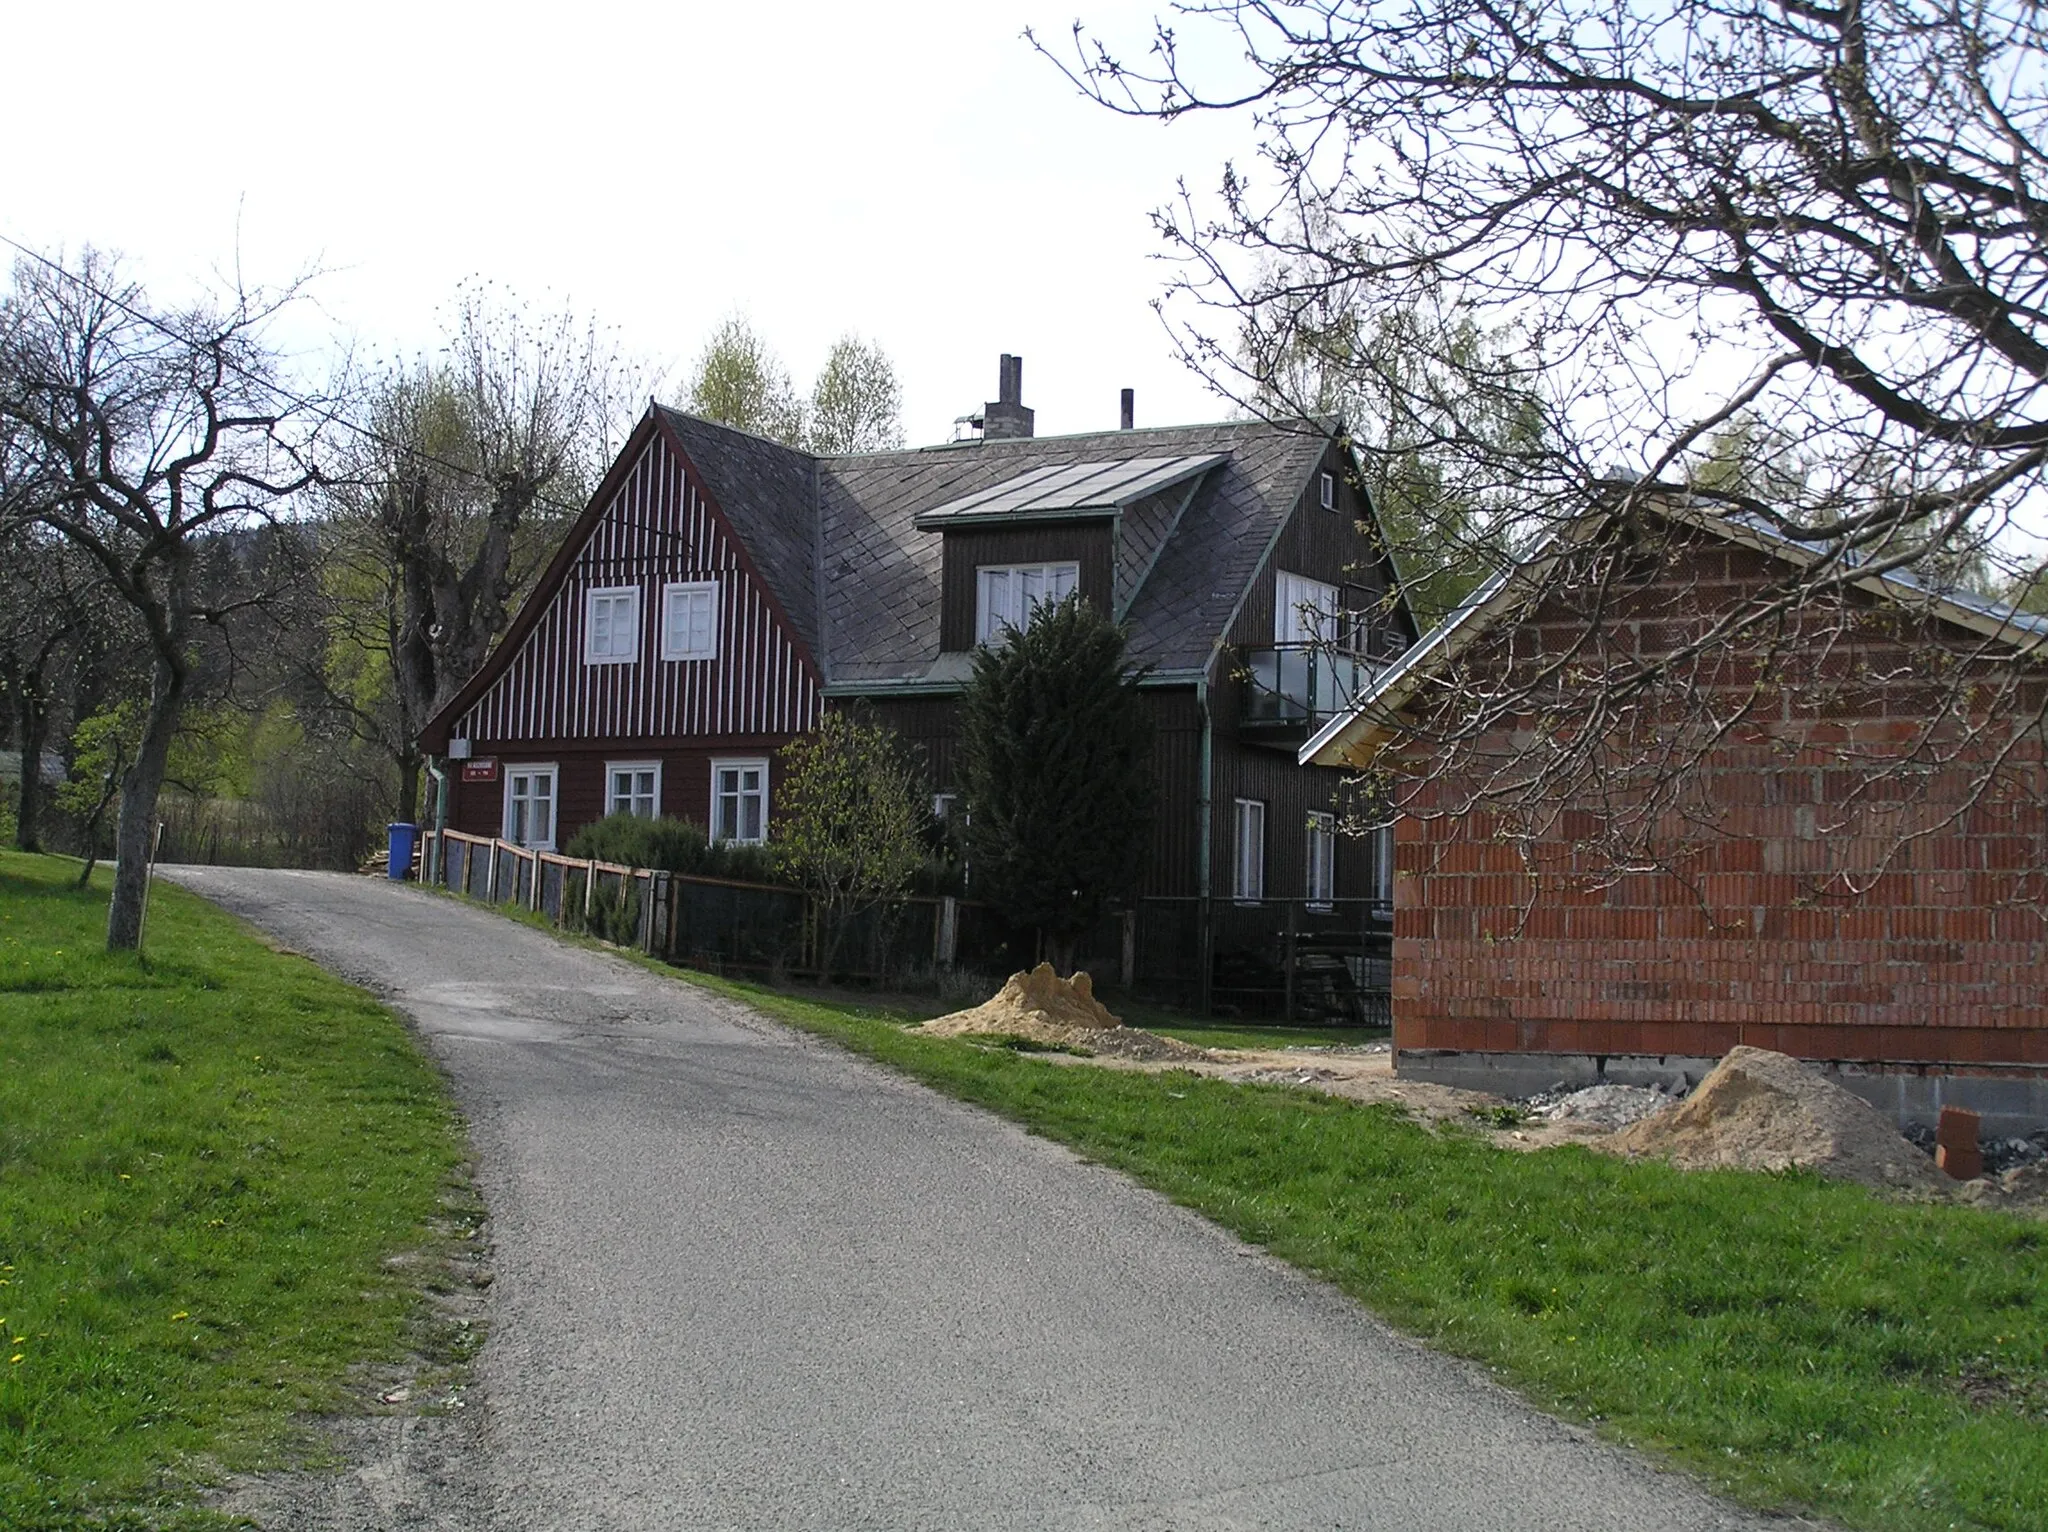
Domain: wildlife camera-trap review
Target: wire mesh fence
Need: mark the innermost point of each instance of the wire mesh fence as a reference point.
(1326, 962)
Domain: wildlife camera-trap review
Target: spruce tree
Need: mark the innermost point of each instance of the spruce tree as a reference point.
(1057, 773)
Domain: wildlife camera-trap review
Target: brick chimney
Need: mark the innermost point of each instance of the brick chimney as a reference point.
(1006, 418)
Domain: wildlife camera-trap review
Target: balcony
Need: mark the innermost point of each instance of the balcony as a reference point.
(1291, 690)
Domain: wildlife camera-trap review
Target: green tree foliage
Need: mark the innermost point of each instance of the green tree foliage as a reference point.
(740, 382)
(1425, 397)
(852, 821)
(857, 404)
(1057, 772)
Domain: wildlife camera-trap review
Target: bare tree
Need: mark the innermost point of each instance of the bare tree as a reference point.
(459, 475)
(145, 430)
(857, 403)
(1686, 215)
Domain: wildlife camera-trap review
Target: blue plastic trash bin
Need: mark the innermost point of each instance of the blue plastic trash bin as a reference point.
(403, 838)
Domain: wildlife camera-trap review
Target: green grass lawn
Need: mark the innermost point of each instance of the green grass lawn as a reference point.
(1795, 1342)
(205, 1159)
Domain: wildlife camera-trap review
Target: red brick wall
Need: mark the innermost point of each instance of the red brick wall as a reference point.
(1783, 909)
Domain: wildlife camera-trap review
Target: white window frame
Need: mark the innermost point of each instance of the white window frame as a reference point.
(739, 763)
(611, 787)
(689, 590)
(1326, 488)
(532, 769)
(943, 805)
(1305, 610)
(613, 656)
(1383, 864)
(1321, 882)
(1248, 862)
(989, 624)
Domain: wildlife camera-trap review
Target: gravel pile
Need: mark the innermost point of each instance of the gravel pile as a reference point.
(1604, 1106)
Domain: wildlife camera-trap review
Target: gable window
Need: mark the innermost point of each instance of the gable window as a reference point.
(1322, 859)
(611, 625)
(633, 787)
(689, 621)
(1009, 595)
(530, 807)
(1326, 490)
(739, 801)
(1248, 877)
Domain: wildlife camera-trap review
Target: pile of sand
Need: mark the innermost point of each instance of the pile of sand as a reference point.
(1061, 1013)
(1760, 1110)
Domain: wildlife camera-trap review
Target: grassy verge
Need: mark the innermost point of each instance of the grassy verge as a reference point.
(205, 1160)
(1792, 1341)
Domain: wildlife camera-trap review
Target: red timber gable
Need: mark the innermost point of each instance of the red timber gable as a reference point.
(650, 525)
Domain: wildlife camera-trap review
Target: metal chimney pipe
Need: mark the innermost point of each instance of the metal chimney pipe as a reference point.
(1128, 413)
(1010, 380)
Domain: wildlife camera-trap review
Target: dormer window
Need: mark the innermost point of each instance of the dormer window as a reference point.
(1010, 595)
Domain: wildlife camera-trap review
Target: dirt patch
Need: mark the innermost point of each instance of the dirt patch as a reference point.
(1760, 1110)
(1041, 1007)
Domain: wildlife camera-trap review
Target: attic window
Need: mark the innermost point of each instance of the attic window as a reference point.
(611, 625)
(1326, 489)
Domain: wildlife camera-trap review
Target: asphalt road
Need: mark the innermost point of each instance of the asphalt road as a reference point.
(745, 1280)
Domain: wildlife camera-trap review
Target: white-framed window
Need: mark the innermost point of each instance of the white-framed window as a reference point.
(1322, 858)
(689, 620)
(1305, 611)
(1383, 864)
(943, 805)
(1248, 875)
(611, 625)
(633, 787)
(530, 806)
(1326, 490)
(739, 801)
(1008, 595)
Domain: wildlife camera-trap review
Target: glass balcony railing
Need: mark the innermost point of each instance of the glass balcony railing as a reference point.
(1306, 685)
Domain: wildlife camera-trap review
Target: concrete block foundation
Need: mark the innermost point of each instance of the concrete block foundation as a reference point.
(2012, 1101)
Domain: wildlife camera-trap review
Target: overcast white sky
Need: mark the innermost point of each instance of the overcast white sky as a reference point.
(908, 169)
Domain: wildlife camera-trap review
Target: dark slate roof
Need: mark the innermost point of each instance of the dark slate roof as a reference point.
(766, 492)
(837, 539)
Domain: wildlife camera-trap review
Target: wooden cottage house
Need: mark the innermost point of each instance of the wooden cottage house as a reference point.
(720, 590)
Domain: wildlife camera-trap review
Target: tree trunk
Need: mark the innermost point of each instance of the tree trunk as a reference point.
(141, 785)
(409, 783)
(31, 731)
(1059, 952)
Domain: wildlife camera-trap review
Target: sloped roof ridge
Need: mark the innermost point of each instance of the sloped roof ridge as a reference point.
(719, 425)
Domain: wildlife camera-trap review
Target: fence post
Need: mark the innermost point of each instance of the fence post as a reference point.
(539, 872)
(1129, 973)
(947, 950)
(491, 875)
(1287, 955)
(647, 918)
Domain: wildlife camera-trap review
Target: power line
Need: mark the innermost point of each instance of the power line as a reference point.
(297, 401)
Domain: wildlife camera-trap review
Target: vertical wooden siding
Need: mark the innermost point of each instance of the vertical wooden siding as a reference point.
(657, 530)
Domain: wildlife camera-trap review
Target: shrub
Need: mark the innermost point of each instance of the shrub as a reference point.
(669, 845)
